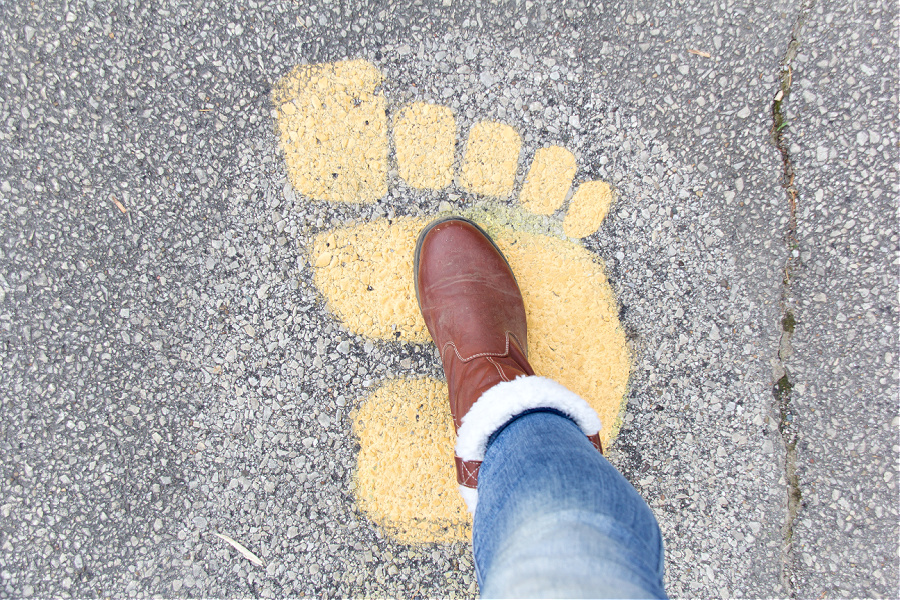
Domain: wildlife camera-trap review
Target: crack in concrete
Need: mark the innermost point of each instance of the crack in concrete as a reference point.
(782, 387)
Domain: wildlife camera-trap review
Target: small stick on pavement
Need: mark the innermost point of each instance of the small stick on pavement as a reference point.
(700, 53)
(120, 205)
(243, 551)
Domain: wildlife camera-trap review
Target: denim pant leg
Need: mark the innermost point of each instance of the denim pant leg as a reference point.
(556, 519)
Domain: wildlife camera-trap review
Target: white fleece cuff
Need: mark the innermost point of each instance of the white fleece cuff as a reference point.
(501, 403)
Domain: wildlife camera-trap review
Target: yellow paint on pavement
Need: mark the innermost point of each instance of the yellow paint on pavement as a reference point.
(333, 131)
(405, 478)
(365, 273)
(587, 209)
(548, 180)
(492, 156)
(425, 145)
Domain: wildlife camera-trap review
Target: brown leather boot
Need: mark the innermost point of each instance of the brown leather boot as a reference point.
(474, 311)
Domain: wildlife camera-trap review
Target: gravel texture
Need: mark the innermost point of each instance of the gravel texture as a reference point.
(168, 370)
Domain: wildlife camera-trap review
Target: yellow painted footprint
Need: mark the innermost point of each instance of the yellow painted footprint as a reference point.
(335, 136)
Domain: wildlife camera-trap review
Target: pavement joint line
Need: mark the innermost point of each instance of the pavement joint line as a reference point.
(782, 387)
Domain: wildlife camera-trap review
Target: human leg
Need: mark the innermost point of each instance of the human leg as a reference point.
(556, 519)
(555, 502)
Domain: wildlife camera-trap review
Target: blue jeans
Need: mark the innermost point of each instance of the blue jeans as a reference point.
(556, 519)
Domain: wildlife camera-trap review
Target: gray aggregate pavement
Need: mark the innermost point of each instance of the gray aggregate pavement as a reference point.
(170, 371)
(842, 290)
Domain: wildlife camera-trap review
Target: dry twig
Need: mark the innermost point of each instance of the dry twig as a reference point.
(243, 550)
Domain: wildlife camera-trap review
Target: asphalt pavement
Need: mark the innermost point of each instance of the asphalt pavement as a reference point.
(169, 370)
